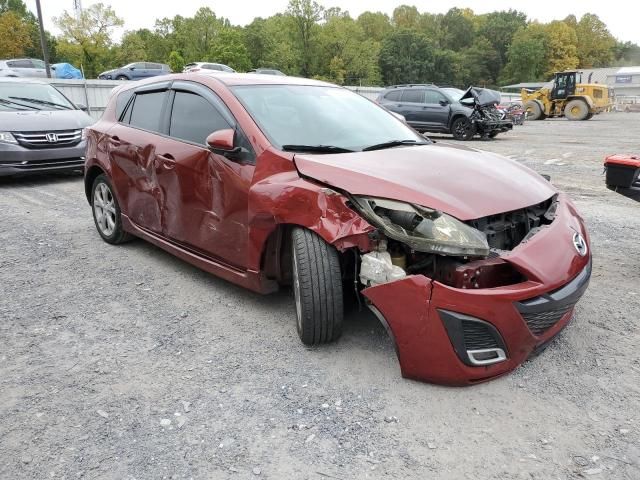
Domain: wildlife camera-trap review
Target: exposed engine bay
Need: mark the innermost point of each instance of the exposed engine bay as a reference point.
(486, 117)
(415, 240)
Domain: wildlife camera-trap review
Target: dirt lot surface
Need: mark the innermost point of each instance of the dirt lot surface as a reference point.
(124, 362)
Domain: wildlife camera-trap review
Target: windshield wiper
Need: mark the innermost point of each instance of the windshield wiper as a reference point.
(394, 143)
(42, 102)
(315, 149)
(4, 101)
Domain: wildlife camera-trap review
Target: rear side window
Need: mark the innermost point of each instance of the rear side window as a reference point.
(210, 66)
(394, 96)
(20, 64)
(413, 96)
(147, 110)
(153, 66)
(193, 118)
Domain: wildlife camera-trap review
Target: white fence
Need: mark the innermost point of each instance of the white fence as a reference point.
(95, 93)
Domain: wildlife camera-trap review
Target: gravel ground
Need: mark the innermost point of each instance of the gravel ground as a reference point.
(124, 362)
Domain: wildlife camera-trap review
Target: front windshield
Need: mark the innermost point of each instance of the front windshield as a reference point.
(454, 93)
(321, 116)
(15, 96)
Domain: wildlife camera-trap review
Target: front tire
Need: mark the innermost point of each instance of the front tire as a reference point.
(106, 212)
(317, 288)
(462, 129)
(534, 111)
(576, 110)
(121, 77)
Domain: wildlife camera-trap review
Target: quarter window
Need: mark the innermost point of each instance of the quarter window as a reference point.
(193, 118)
(20, 64)
(147, 110)
(394, 96)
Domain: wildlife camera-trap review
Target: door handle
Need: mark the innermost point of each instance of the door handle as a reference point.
(115, 141)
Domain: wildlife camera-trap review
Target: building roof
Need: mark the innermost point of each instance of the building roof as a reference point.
(628, 71)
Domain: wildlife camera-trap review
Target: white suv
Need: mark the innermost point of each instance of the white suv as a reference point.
(206, 67)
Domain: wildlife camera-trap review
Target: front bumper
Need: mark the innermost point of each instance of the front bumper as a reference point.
(16, 159)
(493, 125)
(426, 318)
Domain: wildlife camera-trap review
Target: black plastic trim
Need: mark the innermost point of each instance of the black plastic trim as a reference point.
(453, 324)
(562, 297)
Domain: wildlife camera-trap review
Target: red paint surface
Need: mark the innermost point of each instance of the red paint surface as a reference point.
(219, 214)
(424, 349)
(624, 160)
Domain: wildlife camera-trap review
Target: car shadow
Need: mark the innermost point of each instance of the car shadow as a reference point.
(38, 179)
(633, 193)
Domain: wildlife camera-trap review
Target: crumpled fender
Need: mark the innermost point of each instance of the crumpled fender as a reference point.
(285, 198)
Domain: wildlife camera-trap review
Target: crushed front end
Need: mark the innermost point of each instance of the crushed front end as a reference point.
(487, 119)
(469, 301)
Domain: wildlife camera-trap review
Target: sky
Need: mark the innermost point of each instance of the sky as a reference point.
(619, 15)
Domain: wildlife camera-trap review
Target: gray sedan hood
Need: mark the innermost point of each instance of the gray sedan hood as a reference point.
(41, 120)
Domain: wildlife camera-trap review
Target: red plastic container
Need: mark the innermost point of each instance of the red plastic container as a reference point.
(622, 170)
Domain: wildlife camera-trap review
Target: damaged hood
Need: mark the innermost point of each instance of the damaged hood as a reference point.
(460, 181)
(483, 97)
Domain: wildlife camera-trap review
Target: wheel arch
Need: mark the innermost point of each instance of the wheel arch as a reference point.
(454, 117)
(89, 177)
(275, 208)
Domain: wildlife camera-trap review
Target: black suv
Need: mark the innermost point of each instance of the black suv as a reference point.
(428, 108)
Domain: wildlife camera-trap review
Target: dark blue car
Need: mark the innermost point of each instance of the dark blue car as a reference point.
(136, 71)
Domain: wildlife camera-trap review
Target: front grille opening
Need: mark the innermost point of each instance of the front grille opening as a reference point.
(540, 322)
(477, 336)
(49, 139)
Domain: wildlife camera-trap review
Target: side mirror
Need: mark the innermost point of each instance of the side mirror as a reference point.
(221, 142)
(132, 68)
(82, 107)
(444, 103)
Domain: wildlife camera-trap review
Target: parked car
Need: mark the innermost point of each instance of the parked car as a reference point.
(207, 66)
(23, 67)
(41, 130)
(472, 261)
(136, 71)
(429, 108)
(267, 71)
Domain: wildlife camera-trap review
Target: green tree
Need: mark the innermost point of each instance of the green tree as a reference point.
(345, 54)
(375, 25)
(271, 42)
(229, 48)
(560, 48)
(91, 32)
(458, 28)
(305, 15)
(176, 62)
(595, 44)
(526, 56)
(499, 29)
(15, 35)
(406, 57)
(406, 16)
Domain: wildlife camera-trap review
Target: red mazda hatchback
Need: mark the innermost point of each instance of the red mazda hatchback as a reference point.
(470, 260)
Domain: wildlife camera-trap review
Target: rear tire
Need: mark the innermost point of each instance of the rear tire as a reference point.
(534, 111)
(576, 110)
(493, 134)
(106, 212)
(462, 129)
(317, 288)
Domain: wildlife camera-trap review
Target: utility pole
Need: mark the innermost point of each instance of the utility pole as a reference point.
(43, 40)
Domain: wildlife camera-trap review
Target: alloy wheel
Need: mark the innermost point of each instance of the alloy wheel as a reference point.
(104, 209)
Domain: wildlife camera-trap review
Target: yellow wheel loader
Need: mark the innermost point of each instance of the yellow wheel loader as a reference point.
(567, 97)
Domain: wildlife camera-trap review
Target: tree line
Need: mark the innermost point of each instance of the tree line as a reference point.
(456, 48)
